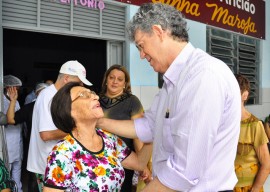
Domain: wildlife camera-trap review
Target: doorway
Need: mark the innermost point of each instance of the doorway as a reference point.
(34, 57)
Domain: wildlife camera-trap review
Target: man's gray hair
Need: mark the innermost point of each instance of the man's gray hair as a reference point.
(169, 18)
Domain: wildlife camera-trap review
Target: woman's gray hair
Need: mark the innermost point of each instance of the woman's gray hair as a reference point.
(169, 18)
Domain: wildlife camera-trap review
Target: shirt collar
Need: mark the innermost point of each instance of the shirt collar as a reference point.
(173, 72)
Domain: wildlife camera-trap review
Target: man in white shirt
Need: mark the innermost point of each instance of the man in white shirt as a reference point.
(44, 134)
(194, 121)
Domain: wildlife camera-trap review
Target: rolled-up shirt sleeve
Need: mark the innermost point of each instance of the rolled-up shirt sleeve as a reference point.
(170, 177)
(143, 130)
(144, 126)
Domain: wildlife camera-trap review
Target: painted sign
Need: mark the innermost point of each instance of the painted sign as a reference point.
(242, 16)
(86, 3)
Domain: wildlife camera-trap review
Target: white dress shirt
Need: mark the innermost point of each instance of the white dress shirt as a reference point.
(195, 146)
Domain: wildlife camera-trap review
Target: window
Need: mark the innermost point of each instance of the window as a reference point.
(241, 53)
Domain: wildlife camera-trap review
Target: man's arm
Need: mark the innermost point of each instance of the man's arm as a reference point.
(124, 128)
(52, 135)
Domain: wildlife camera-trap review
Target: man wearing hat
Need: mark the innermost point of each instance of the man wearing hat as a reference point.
(24, 115)
(44, 133)
(13, 133)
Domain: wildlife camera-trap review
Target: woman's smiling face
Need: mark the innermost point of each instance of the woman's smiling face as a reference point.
(85, 103)
(115, 83)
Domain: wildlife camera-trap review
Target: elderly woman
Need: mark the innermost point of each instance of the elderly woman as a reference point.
(87, 159)
(252, 163)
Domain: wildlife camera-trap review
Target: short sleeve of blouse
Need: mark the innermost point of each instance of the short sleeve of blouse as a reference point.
(136, 106)
(58, 172)
(122, 150)
(260, 135)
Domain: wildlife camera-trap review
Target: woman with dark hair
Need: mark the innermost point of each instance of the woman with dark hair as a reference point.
(119, 103)
(252, 163)
(87, 159)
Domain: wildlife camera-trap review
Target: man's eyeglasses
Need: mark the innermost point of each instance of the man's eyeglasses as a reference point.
(85, 95)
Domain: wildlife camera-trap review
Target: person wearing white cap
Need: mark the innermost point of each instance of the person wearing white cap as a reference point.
(24, 115)
(13, 133)
(44, 133)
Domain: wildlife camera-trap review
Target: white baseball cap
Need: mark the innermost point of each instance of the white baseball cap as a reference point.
(76, 69)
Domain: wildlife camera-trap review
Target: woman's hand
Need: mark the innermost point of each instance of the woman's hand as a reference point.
(156, 186)
(146, 175)
(12, 93)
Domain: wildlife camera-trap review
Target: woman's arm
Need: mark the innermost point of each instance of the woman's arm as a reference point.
(13, 95)
(156, 186)
(138, 161)
(48, 189)
(146, 174)
(267, 129)
(136, 142)
(5, 190)
(263, 156)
